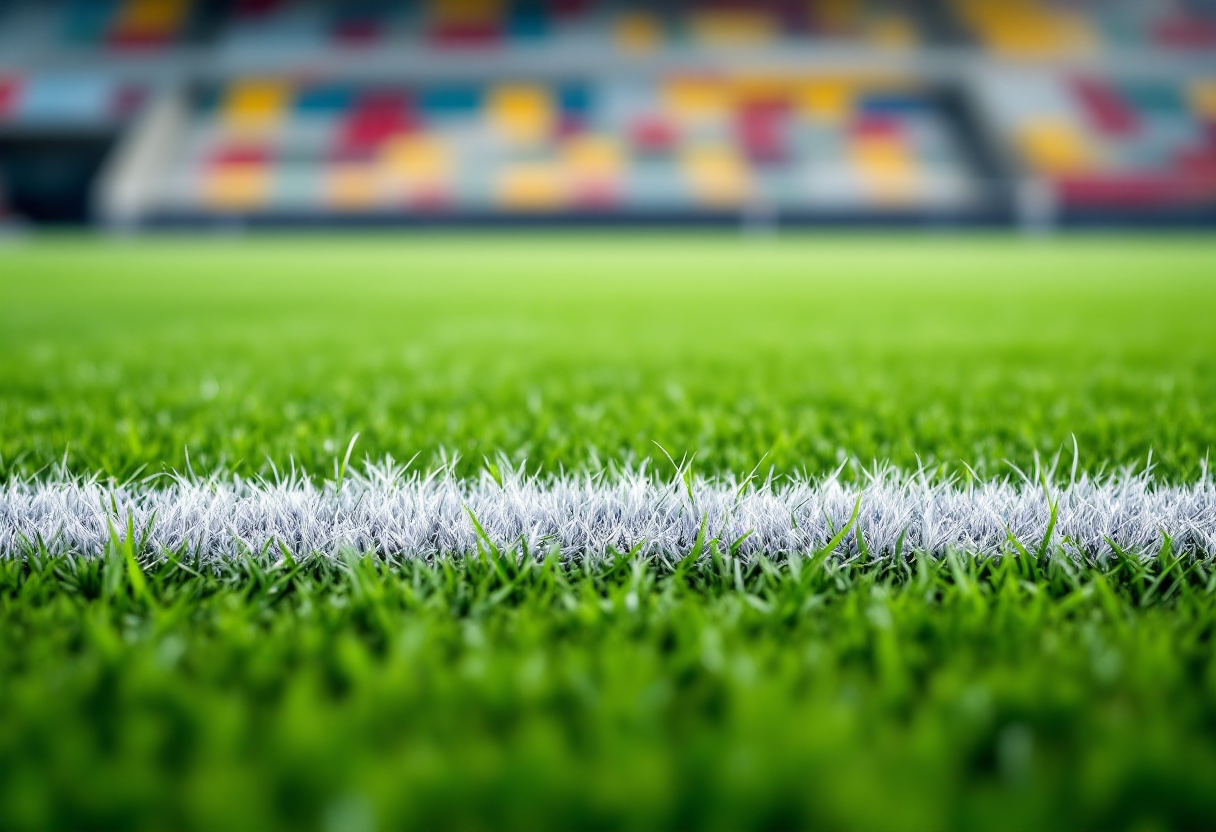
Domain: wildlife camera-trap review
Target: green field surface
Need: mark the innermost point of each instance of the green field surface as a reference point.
(574, 351)
(482, 694)
(147, 691)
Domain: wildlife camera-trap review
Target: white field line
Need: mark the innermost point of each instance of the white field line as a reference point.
(403, 514)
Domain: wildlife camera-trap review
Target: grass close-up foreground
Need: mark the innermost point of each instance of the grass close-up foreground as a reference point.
(616, 531)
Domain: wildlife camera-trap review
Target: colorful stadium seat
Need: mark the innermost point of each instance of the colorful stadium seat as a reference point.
(1027, 27)
(732, 26)
(522, 113)
(148, 23)
(1009, 27)
(533, 186)
(466, 23)
(1056, 148)
(717, 176)
(638, 31)
(256, 105)
(236, 187)
(10, 90)
(352, 186)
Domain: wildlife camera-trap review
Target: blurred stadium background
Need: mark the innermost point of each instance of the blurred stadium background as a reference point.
(148, 113)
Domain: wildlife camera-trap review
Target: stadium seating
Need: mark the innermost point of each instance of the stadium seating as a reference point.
(1134, 143)
(112, 25)
(420, 107)
(1039, 28)
(688, 143)
(533, 24)
(1007, 27)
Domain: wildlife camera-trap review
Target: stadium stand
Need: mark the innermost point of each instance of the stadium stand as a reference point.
(549, 24)
(817, 109)
(699, 142)
(1103, 141)
(119, 25)
(1036, 28)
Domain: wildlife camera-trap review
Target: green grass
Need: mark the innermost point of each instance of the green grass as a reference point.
(937, 695)
(571, 350)
(476, 693)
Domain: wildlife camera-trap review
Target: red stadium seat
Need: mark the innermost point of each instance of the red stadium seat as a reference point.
(429, 199)
(761, 134)
(1186, 33)
(465, 35)
(257, 8)
(241, 155)
(358, 32)
(1197, 167)
(376, 118)
(567, 9)
(871, 126)
(1104, 108)
(1125, 190)
(595, 195)
(653, 135)
(9, 90)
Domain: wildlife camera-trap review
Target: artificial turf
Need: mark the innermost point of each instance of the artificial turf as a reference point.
(152, 690)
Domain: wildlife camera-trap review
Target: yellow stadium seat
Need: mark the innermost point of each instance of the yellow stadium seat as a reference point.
(423, 157)
(1027, 28)
(829, 100)
(888, 170)
(236, 187)
(835, 15)
(352, 186)
(637, 32)
(732, 27)
(255, 105)
(691, 99)
(1203, 99)
(1055, 147)
(881, 156)
(892, 190)
(466, 11)
(159, 16)
(751, 88)
(717, 176)
(593, 156)
(533, 186)
(891, 32)
(523, 113)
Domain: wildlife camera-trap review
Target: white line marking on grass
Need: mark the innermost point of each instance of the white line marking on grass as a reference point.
(406, 514)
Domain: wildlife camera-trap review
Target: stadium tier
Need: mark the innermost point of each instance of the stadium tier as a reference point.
(122, 25)
(268, 24)
(1024, 27)
(1037, 28)
(486, 24)
(685, 143)
(1108, 142)
(303, 109)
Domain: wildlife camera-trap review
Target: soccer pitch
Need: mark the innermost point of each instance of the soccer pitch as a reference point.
(638, 532)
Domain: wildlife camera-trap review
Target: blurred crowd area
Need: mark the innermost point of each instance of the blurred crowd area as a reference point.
(136, 112)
